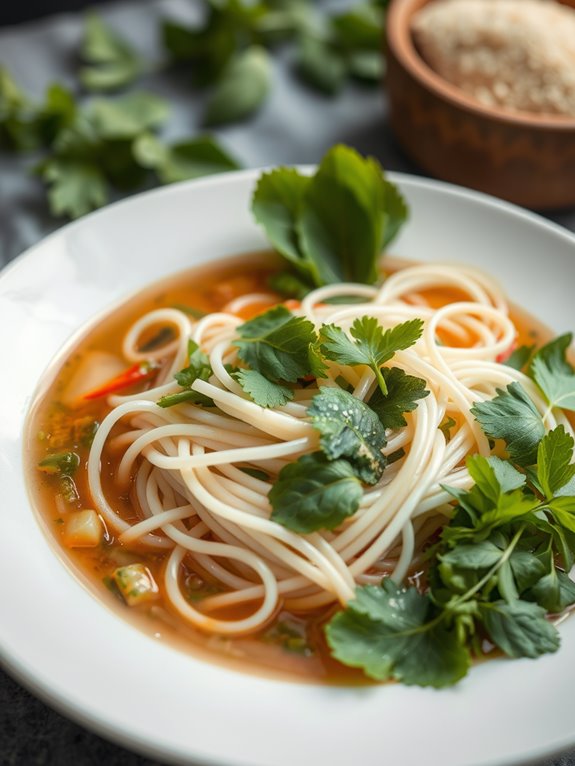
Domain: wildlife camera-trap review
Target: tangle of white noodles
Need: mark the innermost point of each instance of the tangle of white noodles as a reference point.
(196, 502)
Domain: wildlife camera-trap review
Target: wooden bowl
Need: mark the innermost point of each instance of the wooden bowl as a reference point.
(526, 158)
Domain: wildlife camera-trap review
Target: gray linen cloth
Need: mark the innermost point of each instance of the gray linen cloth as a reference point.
(295, 126)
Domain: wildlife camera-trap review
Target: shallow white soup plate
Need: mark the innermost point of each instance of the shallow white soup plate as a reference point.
(87, 662)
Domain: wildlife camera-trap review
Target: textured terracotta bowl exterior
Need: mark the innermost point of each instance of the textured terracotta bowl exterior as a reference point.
(527, 159)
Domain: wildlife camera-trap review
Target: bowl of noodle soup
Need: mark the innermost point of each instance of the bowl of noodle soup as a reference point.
(137, 680)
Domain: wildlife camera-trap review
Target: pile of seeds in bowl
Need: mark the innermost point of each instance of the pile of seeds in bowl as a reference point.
(514, 54)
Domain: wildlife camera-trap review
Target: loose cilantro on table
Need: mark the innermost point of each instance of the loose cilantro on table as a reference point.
(110, 62)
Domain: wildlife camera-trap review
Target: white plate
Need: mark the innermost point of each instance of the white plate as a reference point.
(87, 662)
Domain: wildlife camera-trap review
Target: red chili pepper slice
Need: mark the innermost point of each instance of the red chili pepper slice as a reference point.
(134, 374)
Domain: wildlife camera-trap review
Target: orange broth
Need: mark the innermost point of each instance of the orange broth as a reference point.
(293, 646)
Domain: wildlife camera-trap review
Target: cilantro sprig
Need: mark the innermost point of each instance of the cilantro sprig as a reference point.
(499, 568)
(371, 346)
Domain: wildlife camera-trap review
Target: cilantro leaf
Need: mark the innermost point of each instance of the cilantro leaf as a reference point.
(519, 628)
(553, 373)
(198, 368)
(349, 429)
(127, 116)
(242, 88)
(519, 358)
(563, 509)
(390, 632)
(512, 416)
(194, 158)
(263, 391)
(371, 345)
(111, 61)
(277, 344)
(314, 493)
(403, 393)
(554, 455)
(75, 187)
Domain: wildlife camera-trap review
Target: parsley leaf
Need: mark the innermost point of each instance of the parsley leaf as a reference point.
(554, 455)
(127, 116)
(263, 391)
(403, 393)
(277, 344)
(513, 417)
(349, 429)
(553, 373)
(112, 62)
(390, 632)
(314, 493)
(519, 628)
(555, 591)
(371, 345)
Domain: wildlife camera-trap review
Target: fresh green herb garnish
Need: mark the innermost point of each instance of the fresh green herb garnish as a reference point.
(279, 345)
(198, 368)
(255, 473)
(60, 464)
(314, 493)
(513, 417)
(331, 226)
(445, 427)
(403, 394)
(553, 373)
(519, 358)
(263, 391)
(371, 345)
(500, 566)
(349, 429)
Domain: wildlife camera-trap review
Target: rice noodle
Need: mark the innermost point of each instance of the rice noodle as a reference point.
(185, 461)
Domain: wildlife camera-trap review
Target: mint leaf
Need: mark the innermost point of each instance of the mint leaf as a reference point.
(112, 61)
(276, 204)
(277, 344)
(242, 88)
(342, 218)
(314, 493)
(512, 416)
(263, 391)
(554, 455)
(403, 393)
(331, 226)
(554, 592)
(390, 632)
(553, 373)
(183, 160)
(350, 429)
(519, 628)
(372, 345)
